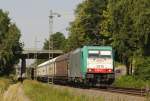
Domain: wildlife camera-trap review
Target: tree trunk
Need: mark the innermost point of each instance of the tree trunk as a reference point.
(127, 68)
(131, 69)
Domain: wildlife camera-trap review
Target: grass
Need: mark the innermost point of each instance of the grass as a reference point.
(4, 83)
(131, 82)
(42, 92)
(37, 91)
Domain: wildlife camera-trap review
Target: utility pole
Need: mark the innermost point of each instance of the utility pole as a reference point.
(51, 44)
(35, 46)
(50, 33)
(36, 51)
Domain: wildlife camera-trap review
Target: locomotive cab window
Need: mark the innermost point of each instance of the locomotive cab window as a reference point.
(93, 54)
(105, 54)
(99, 54)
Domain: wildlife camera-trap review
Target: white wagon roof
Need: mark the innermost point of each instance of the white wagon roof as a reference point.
(47, 62)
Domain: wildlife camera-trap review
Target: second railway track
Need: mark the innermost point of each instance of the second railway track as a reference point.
(113, 89)
(130, 91)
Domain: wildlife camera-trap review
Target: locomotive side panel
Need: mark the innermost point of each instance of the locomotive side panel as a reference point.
(75, 64)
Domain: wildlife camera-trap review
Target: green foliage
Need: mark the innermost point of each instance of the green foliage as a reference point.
(58, 41)
(142, 70)
(86, 28)
(41, 92)
(121, 29)
(9, 43)
(128, 22)
(141, 19)
(130, 82)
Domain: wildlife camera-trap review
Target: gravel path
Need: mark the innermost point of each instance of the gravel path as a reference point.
(15, 93)
(107, 96)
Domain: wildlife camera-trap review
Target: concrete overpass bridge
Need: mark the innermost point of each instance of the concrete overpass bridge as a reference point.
(35, 54)
(40, 54)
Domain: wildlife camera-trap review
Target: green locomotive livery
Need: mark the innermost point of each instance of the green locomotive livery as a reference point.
(93, 64)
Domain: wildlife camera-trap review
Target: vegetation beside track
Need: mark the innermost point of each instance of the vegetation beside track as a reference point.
(142, 69)
(131, 82)
(140, 77)
(42, 92)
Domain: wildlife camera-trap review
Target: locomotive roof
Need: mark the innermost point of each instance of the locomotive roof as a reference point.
(98, 47)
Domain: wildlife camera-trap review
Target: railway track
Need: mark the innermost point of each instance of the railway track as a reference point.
(131, 91)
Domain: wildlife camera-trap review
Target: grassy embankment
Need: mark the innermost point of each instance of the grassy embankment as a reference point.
(42, 92)
(4, 84)
(131, 82)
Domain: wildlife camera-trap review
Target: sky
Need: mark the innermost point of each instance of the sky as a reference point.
(31, 17)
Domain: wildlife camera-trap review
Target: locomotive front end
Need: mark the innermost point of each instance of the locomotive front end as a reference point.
(100, 68)
(99, 61)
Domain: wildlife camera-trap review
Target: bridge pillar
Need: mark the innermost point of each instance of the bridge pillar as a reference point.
(23, 68)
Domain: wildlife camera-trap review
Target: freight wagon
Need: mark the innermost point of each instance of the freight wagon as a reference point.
(56, 69)
(87, 65)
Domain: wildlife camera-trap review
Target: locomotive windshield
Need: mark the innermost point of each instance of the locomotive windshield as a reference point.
(105, 54)
(100, 61)
(93, 54)
(99, 54)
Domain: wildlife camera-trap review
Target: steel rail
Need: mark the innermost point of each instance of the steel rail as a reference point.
(130, 91)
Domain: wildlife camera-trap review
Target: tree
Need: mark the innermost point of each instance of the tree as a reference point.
(141, 19)
(58, 41)
(9, 43)
(128, 22)
(86, 28)
(122, 31)
(142, 70)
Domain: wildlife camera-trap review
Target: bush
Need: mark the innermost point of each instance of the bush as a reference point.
(130, 82)
(142, 69)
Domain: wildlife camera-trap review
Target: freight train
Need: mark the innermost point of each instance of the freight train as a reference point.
(88, 65)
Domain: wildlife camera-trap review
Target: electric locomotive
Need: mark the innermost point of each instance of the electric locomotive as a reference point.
(92, 65)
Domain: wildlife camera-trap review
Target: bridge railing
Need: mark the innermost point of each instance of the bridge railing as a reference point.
(42, 51)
